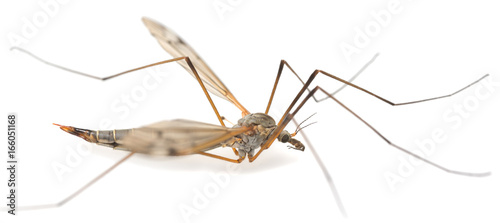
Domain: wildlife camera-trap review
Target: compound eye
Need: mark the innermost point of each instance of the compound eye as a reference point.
(284, 137)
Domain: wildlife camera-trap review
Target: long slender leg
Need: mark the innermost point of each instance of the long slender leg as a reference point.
(193, 69)
(280, 127)
(351, 79)
(328, 177)
(280, 69)
(398, 147)
(310, 146)
(283, 62)
(311, 78)
(76, 193)
(191, 66)
(316, 72)
(402, 103)
(287, 117)
(188, 61)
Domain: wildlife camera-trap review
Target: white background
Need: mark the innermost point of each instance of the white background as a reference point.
(428, 49)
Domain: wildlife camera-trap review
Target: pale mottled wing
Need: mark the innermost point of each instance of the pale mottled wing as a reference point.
(178, 137)
(177, 47)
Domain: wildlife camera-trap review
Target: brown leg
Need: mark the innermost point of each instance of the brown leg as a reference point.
(188, 61)
(311, 78)
(280, 69)
(236, 151)
(287, 117)
(283, 62)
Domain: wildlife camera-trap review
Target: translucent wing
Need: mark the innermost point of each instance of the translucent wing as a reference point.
(178, 137)
(177, 47)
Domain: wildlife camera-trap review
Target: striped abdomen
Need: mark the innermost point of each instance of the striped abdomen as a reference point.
(109, 138)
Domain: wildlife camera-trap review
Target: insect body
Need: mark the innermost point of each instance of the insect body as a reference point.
(253, 130)
(262, 126)
(182, 137)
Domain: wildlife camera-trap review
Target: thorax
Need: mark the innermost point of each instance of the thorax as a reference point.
(247, 142)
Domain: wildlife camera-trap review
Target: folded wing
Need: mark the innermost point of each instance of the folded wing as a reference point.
(177, 47)
(178, 137)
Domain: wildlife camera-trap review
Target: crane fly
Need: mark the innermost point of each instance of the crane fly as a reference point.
(253, 133)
